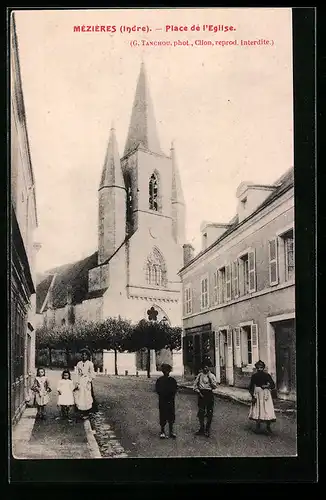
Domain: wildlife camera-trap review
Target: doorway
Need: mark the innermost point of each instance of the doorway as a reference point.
(223, 355)
(285, 357)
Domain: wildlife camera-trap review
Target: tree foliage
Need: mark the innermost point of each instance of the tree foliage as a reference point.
(115, 334)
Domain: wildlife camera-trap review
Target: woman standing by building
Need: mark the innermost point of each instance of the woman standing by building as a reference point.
(262, 407)
(85, 375)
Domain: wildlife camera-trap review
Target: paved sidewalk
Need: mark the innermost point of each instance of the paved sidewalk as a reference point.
(243, 396)
(51, 438)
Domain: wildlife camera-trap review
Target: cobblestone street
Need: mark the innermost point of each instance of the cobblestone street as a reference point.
(129, 406)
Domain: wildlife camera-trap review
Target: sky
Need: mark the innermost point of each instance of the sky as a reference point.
(228, 109)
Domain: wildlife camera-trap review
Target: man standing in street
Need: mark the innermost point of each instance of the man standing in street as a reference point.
(204, 384)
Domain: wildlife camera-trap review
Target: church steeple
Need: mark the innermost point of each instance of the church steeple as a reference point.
(178, 203)
(112, 173)
(177, 193)
(112, 203)
(142, 128)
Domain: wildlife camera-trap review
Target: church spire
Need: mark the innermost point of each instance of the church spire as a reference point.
(178, 203)
(142, 128)
(112, 173)
(177, 193)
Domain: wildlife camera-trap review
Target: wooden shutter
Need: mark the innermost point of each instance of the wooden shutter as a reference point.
(229, 361)
(235, 278)
(229, 339)
(254, 343)
(215, 288)
(237, 347)
(252, 271)
(273, 262)
(228, 281)
(190, 299)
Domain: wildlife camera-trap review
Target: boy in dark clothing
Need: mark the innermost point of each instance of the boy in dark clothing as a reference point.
(166, 388)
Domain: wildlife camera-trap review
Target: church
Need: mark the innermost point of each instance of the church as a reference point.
(141, 234)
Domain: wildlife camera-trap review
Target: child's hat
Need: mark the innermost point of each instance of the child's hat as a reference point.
(166, 366)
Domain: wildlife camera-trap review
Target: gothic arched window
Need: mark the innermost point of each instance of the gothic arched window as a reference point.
(153, 192)
(155, 269)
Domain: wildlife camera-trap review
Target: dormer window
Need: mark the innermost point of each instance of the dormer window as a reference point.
(244, 203)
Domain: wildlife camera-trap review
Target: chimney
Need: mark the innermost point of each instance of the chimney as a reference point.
(188, 253)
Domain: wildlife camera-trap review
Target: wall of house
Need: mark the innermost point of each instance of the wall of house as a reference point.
(265, 301)
(257, 239)
(24, 206)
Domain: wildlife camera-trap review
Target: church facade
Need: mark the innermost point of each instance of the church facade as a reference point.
(141, 233)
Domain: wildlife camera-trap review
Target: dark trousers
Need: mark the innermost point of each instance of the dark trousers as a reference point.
(205, 408)
(166, 411)
(64, 411)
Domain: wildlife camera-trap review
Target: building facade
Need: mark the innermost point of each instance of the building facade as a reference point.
(23, 247)
(239, 291)
(141, 231)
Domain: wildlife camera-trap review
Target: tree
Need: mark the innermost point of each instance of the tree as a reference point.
(114, 334)
(153, 335)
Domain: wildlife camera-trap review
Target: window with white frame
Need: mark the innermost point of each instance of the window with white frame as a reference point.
(247, 272)
(289, 255)
(246, 345)
(284, 257)
(204, 293)
(222, 285)
(188, 300)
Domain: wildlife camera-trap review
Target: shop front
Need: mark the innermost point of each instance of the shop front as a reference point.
(198, 345)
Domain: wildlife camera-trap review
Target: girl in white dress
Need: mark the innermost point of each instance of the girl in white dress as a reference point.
(85, 376)
(66, 390)
(41, 388)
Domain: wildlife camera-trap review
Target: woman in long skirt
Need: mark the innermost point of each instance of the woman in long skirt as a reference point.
(262, 407)
(85, 376)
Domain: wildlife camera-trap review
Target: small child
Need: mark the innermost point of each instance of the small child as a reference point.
(41, 388)
(66, 394)
(166, 388)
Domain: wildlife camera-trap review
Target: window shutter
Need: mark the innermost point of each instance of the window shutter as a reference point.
(218, 287)
(190, 300)
(215, 289)
(235, 277)
(237, 347)
(254, 343)
(228, 281)
(252, 271)
(229, 338)
(273, 262)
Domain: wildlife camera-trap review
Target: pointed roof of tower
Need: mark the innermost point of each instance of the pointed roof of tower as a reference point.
(112, 173)
(177, 193)
(142, 129)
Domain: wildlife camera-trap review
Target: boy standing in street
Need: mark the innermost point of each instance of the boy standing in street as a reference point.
(166, 388)
(204, 384)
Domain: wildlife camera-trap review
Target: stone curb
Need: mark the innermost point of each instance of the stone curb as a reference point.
(230, 397)
(91, 441)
